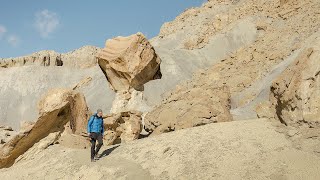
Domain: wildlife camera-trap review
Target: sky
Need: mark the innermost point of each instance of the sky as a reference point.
(28, 26)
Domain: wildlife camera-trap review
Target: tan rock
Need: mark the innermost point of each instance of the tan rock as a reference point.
(56, 109)
(83, 57)
(76, 101)
(295, 94)
(282, 2)
(264, 110)
(189, 108)
(122, 127)
(129, 62)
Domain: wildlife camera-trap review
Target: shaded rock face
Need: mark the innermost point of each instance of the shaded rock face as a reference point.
(188, 108)
(56, 109)
(122, 127)
(295, 95)
(129, 62)
(77, 103)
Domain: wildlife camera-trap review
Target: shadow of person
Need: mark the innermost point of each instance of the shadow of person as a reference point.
(108, 151)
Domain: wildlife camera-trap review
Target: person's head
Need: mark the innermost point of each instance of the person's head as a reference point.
(99, 113)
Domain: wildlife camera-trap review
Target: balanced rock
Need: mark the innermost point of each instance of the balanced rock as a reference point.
(56, 109)
(122, 127)
(129, 62)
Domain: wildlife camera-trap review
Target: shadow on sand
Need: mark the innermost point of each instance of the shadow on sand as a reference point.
(108, 151)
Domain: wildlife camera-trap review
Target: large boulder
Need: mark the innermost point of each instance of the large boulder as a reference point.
(294, 97)
(129, 62)
(189, 108)
(58, 108)
(122, 127)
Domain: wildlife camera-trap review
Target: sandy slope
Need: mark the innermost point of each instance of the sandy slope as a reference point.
(250, 149)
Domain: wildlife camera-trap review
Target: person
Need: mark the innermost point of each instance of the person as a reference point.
(95, 133)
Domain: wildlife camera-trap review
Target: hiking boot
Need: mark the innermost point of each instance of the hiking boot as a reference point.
(96, 158)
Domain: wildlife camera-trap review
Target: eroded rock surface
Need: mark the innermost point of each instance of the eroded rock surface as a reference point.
(295, 94)
(56, 109)
(129, 62)
(190, 107)
(122, 127)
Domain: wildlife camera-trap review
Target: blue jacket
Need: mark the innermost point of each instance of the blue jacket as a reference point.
(95, 124)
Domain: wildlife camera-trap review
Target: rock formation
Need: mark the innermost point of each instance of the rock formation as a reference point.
(295, 94)
(81, 58)
(56, 109)
(190, 107)
(129, 62)
(248, 69)
(122, 127)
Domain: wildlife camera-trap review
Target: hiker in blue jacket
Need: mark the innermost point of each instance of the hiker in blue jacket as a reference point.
(95, 132)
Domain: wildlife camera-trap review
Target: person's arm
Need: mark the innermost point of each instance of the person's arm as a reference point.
(89, 125)
(102, 129)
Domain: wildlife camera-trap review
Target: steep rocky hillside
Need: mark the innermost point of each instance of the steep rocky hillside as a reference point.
(249, 71)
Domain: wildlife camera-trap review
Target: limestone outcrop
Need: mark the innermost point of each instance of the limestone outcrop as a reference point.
(129, 62)
(122, 127)
(58, 108)
(295, 95)
(190, 107)
(83, 57)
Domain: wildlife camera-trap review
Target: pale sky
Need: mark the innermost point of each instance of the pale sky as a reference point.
(27, 26)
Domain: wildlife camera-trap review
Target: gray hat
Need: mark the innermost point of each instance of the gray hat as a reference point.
(99, 110)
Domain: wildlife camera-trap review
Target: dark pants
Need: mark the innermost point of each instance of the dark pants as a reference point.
(95, 137)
